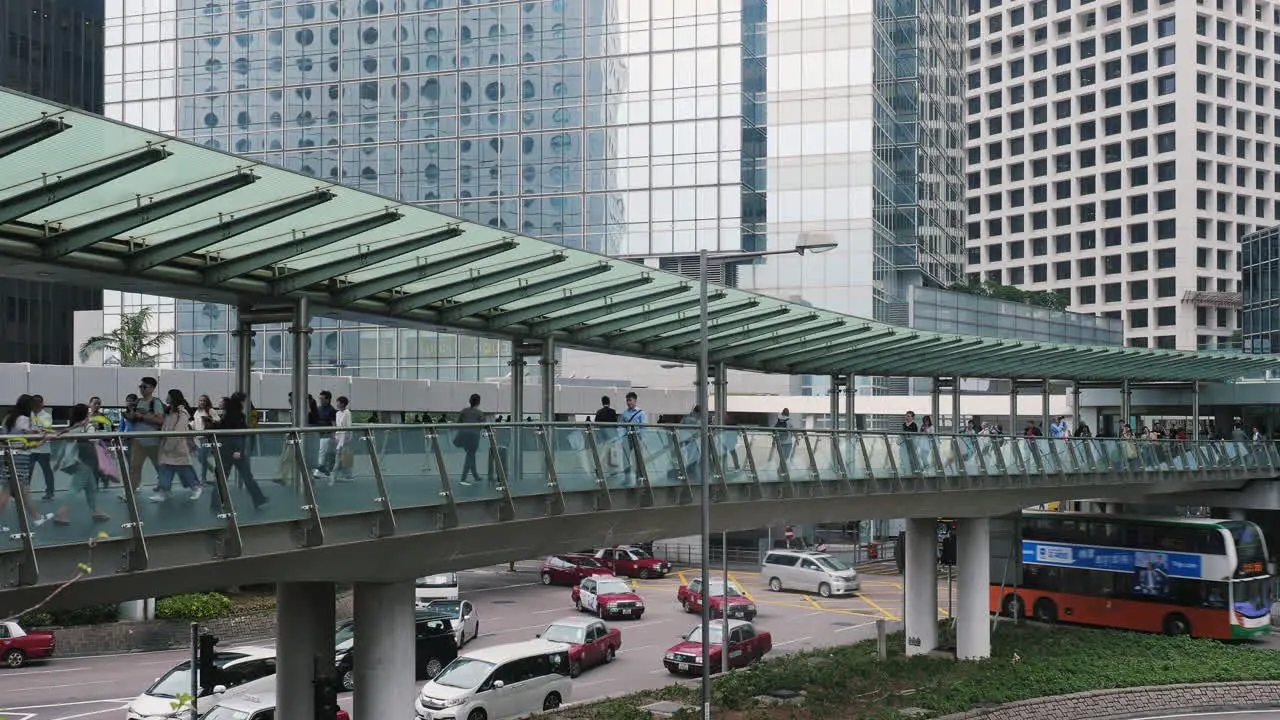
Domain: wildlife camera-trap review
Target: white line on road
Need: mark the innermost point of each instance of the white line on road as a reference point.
(853, 627)
(66, 704)
(79, 684)
(92, 713)
(788, 642)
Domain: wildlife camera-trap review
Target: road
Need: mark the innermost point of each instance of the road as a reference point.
(1225, 715)
(512, 607)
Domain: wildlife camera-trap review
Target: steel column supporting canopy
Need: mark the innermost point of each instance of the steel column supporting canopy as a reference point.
(720, 340)
(837, 347)
(664, 343)
(366, 257)
(652, 331)
(568, 299)
(842, 339)
(422, 270)
(28, 135)
(78, 238)
(747, 348)
(54, 192)
(492, 301)
(644, 316)
(296, 246)
(611, 306)
(142, 260)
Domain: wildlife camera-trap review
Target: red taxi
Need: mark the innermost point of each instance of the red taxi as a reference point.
(590, 642)
(740, 606)
(18, 646)
(632, 562)
(746, 645)
(570, 569)
(607, 596)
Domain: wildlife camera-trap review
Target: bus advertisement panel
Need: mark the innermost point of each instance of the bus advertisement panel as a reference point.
(1203, 577)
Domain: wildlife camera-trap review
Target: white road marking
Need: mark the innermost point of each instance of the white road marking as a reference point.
(788, 642)
(66, 704)
(853, 627)
(79, 684)
(91, 714)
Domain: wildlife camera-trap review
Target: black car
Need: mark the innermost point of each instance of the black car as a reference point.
(434, 647)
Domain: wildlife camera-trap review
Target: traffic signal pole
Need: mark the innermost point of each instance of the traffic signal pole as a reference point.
(195, 669)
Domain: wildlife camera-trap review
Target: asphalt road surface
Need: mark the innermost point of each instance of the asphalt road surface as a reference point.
(512, 607)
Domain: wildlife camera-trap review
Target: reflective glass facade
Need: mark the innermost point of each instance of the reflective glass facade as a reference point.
(1260, 268)
(655, 127)
(53, 49)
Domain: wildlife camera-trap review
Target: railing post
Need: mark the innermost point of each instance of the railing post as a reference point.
(639, 466)
(135, 558)
(310, 532)
(28, 570)
(682, 466)
(815, 477)
(507, 507)
(230, 542)
(386, 524)
(752, 471)
(784, 470)
(449, 515)
(555, 503)
(603, 500)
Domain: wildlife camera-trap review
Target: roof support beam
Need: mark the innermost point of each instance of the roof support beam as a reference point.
(362, 258)
(640, 334)
(51, 193)
(688, 336)
(488, 302)
(78, 238)
(842, 340)
(644, 316)
(31, 134)
(611, 306)
(251, 262)
(945, 355)
(478, 281)
(772, 340)
(525, 314)
(421, 270)
(719, 340)
(847, 363)
(836, 348)
(161, 253)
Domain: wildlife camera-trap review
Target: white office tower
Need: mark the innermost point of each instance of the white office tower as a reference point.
(1117, 152)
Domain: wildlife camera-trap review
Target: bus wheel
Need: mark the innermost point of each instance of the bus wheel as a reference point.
(1177, 624)
(1013, 606)
(1045, 611)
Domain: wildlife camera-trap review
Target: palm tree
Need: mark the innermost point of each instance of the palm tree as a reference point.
(133, 344)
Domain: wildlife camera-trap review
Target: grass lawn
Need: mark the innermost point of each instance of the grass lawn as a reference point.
(1027, 661)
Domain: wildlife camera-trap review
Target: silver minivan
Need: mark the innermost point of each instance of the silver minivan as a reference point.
(817, 572)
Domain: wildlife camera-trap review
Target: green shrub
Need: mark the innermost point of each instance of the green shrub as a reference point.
(90, 615)
(196, 606)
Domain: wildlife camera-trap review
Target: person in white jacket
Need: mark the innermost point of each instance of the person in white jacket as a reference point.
(341, 438)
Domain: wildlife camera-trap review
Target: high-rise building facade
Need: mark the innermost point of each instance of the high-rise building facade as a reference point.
(1119, 151)
(638, 127)
(53, 49)
(1260, 275)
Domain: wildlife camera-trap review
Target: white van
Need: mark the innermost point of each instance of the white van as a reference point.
(499, 682)
(252, 701)
(817, 572)
(435, 587)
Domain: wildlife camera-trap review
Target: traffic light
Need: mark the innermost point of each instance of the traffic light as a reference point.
(326, 700)
(949, 549)
(208, 670)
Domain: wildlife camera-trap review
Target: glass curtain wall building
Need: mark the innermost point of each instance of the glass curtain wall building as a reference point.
(53, 49)
(1260, 272)
(651, 127)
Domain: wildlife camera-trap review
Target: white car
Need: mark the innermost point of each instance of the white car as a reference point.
(239, 665)
(500, 682)
(462, 615)
(435, 587)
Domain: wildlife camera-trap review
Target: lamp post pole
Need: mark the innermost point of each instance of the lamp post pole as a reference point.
(704, 433)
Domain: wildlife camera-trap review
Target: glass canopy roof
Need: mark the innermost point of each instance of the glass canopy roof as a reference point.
(89, 200)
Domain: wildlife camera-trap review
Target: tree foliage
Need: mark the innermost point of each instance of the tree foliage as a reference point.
(1045, 299)
(133, 344)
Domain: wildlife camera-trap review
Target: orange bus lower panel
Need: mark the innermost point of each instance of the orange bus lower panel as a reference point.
(1114, 613)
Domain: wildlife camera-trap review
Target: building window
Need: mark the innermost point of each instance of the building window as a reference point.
(1138, 290)
(1166, 287)
(1138, 318)
(1166, 258)
(1166, 316)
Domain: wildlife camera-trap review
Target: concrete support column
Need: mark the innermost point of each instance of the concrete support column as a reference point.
(957, 421)
(921, 612)
(833, 395)
(1075, 405)
(304, 645)
(1195, 410)
(301, 332)
(935, 402)
(1013, 408)
(973, 609)
(384, 667)
(547, 364)
(722, 395)
(850, 409)
(517, 365)
(1045, 418)
(244, 354)
(1126, 399)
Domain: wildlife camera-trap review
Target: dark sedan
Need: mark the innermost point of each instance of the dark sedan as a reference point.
(434, 643)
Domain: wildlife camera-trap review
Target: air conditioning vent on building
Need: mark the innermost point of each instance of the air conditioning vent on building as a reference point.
(719, 273)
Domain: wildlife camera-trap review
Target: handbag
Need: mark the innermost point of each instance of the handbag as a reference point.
(107, 465)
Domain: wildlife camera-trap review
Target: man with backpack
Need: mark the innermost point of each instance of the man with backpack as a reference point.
(144, 415)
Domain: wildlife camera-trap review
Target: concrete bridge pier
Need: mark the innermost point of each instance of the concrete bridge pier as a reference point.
(921, 611)
(304, 645)
(385, 659)
(973, 589)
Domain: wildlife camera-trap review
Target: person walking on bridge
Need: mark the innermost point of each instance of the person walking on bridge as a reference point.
(468, 439)
(24, 435)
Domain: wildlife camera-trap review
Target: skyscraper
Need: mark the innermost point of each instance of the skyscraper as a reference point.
(639, 127)
(1118, 153)
(53, 49)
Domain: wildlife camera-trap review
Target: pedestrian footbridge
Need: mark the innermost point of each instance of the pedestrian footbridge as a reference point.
(399, 505)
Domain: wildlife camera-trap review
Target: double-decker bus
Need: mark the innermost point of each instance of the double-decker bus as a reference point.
(1207, 578)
